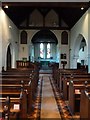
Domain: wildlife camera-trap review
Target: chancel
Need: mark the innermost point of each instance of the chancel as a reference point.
(45, 60)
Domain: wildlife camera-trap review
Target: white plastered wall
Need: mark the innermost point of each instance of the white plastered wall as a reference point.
(60, 48)
(9, 35)
(0, 41)
(81, 28)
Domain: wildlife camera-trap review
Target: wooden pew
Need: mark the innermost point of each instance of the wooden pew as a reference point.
(12, 112)
(80, 77)
(55, 67)
(85, 105)
(28, 87)
(30, 79)
(34, 74)
(14, 80)
(22, 74)
(65, 73)
(75, 88)
(60, 74)
(18, 96)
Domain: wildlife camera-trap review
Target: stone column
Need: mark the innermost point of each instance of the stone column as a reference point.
(74, 63)
(45, 53)
(89, 40)
(13, 64)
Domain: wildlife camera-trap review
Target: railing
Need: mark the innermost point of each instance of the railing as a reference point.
(23, 64)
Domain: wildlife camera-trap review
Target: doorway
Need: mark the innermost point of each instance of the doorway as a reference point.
(8, 62)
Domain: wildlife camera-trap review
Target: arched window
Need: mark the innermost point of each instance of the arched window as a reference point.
(45, 51)
(48, 50)
(64, 38)
(23, 37)
(41, 50)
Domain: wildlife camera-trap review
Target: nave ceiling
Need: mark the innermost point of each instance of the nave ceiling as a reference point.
(67, 12)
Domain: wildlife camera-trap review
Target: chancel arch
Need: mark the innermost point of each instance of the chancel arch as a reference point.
(45, 46)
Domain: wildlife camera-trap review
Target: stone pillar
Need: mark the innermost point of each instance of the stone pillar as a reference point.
(89, 40)
(13, 64)
(45, 53)
(74, 63)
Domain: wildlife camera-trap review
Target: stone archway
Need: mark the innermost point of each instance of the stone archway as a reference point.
(45, 37)
(77, 47)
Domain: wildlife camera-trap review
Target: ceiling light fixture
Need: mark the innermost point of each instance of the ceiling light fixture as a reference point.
(10, 26)
(82, 8)
(6, 6)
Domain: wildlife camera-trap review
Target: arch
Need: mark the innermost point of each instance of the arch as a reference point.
(64, 37)
(79, 44)
(13, 50)
(23, 37)
(45, 36)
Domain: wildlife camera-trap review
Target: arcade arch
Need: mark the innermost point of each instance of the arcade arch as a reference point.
(80, 52)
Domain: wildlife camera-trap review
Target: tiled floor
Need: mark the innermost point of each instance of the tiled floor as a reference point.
(49, 108)
(45, 72)
(49, 102)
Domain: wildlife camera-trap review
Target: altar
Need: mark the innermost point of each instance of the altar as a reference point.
(45, 62)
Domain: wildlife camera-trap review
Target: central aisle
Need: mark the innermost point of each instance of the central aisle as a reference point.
(49, 108)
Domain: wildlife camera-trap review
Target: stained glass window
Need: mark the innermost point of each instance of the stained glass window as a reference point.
(41, 50)
(48, 50)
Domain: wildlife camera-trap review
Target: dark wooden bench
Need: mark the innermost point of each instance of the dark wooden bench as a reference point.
(15, 77)
(30, 86)
(68, 73)
(22, 75)
(60, 74)
(85, 105)
(79, 77)
(17, 96)
(75, 88)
